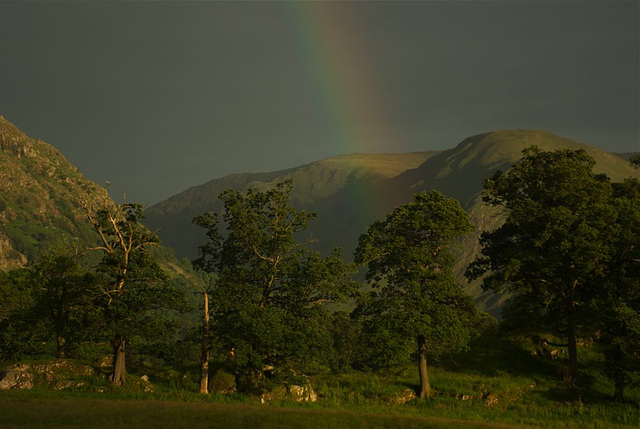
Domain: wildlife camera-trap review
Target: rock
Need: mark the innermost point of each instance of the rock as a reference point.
(491, 399)
(59, 374)
(66, 384)
(147, 386)
(62, 369)
(294, 392)
(303, 393)
(404, 396)
(17, 377)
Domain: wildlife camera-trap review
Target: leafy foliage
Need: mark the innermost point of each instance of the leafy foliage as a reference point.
(136, 285)
(64, 293)
(416, 305)
(550, 252)
(620, 327)
(17, 319)
(270, 303)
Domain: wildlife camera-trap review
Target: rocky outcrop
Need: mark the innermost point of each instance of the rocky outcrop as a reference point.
(404, 396)
(303, 393)
(16, 377)
(59, 375)
(296, 393)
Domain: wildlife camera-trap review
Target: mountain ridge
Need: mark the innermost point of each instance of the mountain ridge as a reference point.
(40, 193)
(342, 216)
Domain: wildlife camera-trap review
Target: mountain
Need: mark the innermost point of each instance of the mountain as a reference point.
(627, 155)
(350, 192)
(316, 186)
(39, 194)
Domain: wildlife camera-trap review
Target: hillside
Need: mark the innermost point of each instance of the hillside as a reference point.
(315, 184)
(39, 194)
(352, 191)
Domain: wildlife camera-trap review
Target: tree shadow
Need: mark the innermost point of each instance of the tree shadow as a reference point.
(494, 355)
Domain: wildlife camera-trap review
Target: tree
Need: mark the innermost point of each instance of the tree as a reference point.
(550, 253)
(620, 326)
(271, 294)
(206, 336)
(136, 284)
(416, 303)
(63, 293)
(17, 315)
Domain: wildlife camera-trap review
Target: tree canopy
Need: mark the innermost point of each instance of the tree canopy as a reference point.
(416, 304)
(136, 285)
(272, 292)
(551, 252)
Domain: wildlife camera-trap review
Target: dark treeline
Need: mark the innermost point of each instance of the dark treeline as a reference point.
(568, 254)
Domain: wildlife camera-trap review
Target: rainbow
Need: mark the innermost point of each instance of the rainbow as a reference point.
(335, 60)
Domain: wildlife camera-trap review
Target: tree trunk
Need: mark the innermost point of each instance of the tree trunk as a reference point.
(573, 354)
(118, 375)
(60, 343)
(204, 360)
(425, 387)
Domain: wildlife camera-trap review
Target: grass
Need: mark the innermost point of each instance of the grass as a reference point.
(500, 383)
(95, 413)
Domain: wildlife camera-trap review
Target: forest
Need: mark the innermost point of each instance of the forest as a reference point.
(268, 320)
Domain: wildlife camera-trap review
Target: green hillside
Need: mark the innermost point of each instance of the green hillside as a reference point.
(39, 194)
(316, 187)
(459, 173)
(352, 191)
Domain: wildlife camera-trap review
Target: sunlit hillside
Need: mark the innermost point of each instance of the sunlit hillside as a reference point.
(350, 192)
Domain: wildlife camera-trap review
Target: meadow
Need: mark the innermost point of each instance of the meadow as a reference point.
(501, 382)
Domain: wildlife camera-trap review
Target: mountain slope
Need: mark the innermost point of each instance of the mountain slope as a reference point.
(39, 194)
(351, 192)
(316, 182)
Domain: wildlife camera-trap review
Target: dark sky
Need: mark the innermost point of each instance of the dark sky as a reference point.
(160, 96)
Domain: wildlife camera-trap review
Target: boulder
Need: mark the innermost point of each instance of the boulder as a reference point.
(17, 377)
(303, 393)
(294, 392)
(404, 396)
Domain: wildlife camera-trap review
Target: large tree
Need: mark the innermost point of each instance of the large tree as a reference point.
(64, 291)
(416, 304)
(551, 252)
(271, 296)
(620, 326)
(18, 320)
(136, 285)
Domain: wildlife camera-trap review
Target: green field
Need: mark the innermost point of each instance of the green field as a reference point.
(499, 383)
(96, 413)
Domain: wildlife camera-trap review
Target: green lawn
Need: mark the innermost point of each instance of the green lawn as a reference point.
(105, 413)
